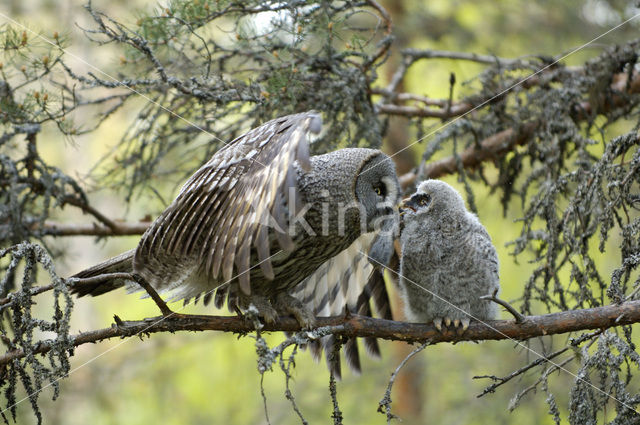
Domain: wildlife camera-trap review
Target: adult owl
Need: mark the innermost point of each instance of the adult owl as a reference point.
(448, 260)
(261, 221)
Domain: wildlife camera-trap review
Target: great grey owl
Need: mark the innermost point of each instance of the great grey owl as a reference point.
(262, 221)
(447, 260)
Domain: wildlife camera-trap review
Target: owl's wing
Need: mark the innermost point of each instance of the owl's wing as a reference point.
(346, 283)
(218, 213)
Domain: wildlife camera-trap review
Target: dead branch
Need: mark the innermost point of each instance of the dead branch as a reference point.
(384, 405)
(457, 109)
(416, 54)
(499, 381)
(362, 326)
(119, 228)
(490, 148)
(505, 141)
(86, 208)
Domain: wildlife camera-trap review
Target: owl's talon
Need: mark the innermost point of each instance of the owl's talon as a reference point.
(258, 310)
(269, 316)
(438, 324)
(465, 324)
(287, 304)
(456, 323)
(447, 321)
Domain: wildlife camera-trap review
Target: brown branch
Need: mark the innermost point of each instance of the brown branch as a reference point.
(490, 148)
(405, 97)
(519, 318)
(457, 109)
(119, 229)
(416, 54)
(465, 105)
(166, 311)
(505, 141)
(362, 326)
(90, 210)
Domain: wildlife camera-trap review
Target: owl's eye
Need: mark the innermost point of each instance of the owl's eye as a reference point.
(379, 190)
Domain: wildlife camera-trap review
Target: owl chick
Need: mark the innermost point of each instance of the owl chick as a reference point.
(448, 261)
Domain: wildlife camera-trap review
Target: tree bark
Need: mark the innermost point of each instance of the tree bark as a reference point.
(362, 326)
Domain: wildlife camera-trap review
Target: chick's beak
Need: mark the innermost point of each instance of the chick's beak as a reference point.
(406, 204)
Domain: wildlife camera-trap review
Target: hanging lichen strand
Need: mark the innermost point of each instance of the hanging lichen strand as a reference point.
(23, 330)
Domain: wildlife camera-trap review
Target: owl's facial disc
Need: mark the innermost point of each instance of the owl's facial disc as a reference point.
(386, 192)
(377, 191)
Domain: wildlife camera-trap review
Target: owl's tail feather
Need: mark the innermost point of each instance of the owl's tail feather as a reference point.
(376, 291)
(122, 263)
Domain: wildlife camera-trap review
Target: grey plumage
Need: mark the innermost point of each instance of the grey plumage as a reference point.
(448, 260)
(234, 225)
(347, 283)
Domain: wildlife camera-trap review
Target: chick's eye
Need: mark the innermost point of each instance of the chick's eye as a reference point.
(424, 200)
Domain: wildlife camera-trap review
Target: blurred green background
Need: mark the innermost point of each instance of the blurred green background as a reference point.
(203, 378)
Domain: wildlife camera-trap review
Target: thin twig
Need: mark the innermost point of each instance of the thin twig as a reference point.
(90, 210)
(473, 57)
(264, 399)
(153, 294)
(336, 415)
(119, 229)
(494, 297)
(166, 311)
(384, 405)
(503, 380)
(516, 399)
(286, 369)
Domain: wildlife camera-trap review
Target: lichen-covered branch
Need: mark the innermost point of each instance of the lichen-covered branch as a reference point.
(505, 141)
(490, 148)
(363, 326)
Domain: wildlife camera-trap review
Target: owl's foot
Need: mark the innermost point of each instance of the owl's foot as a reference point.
(258, 306)
(459, 325)
(437, 322)
(288, 304)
